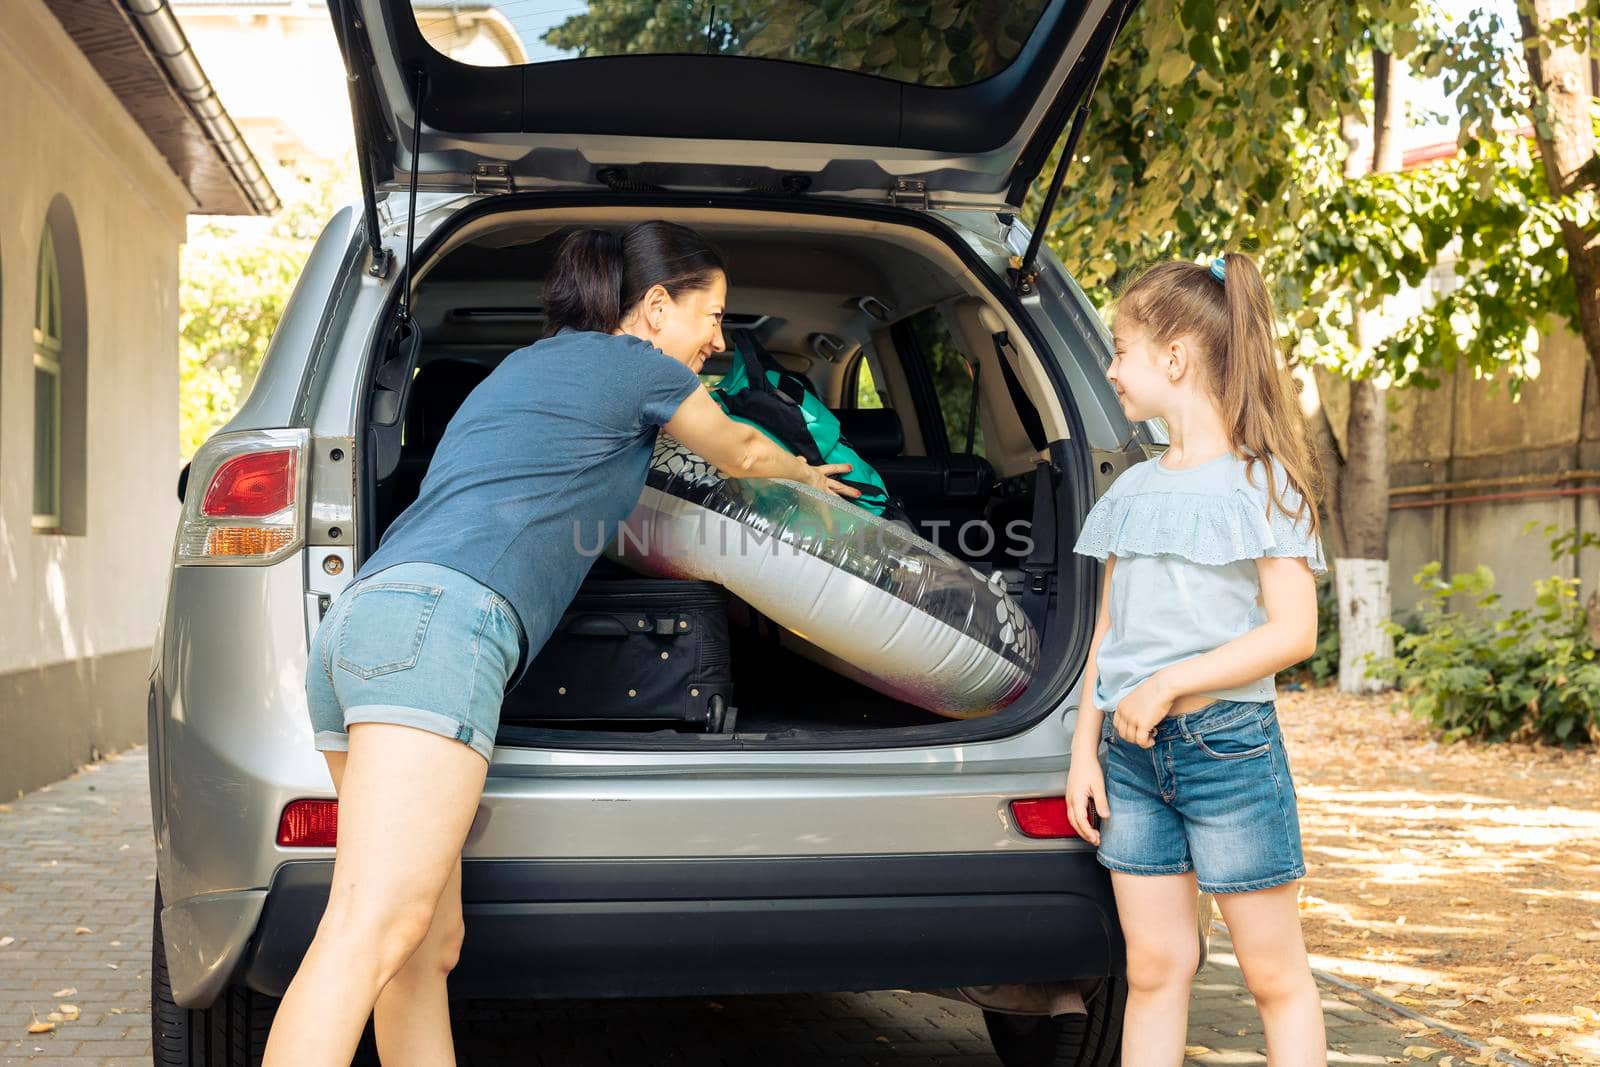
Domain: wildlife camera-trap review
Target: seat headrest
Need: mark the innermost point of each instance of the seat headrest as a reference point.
(437, 393)
(873, 432)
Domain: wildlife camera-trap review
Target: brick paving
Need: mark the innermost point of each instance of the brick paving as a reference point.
(76, 874)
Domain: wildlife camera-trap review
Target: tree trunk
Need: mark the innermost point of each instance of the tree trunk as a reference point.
(1359, 487)
(1561, 79)
(1363, 576)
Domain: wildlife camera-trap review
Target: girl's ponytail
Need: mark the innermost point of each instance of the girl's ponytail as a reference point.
(584, 289)
(1225, 307)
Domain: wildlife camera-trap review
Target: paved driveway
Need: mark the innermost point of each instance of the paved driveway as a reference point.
(76, 863)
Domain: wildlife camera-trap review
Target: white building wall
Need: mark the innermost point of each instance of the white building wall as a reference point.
(82, 598)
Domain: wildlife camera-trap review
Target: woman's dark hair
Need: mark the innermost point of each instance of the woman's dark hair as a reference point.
(598, 277)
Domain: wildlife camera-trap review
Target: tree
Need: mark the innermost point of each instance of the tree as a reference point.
(1357, 485)
(1555, 35)
(235, 278)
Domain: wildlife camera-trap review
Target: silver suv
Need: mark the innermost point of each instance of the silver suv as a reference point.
(822, 836)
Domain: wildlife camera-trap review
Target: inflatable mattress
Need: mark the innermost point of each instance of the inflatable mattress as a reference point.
(861, 595)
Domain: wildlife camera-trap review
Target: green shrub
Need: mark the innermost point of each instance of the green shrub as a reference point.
(1475, 670)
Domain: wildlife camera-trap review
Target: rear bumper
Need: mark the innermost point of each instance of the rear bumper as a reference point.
(551, 928)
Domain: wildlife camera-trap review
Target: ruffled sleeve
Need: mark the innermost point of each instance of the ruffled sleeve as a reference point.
(1290, 537)
(1208, 527)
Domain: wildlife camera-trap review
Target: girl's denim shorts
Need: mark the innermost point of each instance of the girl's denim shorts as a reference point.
(1214, 795)
(416, 644)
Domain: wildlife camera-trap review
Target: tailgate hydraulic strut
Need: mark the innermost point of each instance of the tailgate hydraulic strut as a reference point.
(1023, 273)
(373, 140)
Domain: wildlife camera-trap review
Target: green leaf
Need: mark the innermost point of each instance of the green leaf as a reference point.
(1173, 69)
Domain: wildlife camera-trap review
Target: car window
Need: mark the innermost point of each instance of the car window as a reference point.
(950, 44)
(865, 393)
(952, 372)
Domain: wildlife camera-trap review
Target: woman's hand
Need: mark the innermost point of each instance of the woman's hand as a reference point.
(1137, 715)
(1086, 785)
(820, 477)
(739, 450)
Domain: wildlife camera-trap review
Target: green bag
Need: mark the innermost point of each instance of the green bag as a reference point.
(778, 402)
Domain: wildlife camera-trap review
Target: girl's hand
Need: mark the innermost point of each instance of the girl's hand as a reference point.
(1136, 717)
(1086, 784)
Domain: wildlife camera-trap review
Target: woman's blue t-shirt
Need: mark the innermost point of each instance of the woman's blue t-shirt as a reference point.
(538, 467)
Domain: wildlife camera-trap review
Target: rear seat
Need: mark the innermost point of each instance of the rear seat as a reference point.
(439, 389)
(935, 489)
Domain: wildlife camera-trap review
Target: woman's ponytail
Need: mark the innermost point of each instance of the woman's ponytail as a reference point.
(584, 289)
(598, 276)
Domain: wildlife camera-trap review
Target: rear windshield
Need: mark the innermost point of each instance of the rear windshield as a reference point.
(935, 42)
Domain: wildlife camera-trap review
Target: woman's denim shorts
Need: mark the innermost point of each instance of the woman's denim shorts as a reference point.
(416, 644)
(1214, 795)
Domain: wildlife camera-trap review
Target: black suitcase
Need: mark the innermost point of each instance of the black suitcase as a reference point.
(633, 649)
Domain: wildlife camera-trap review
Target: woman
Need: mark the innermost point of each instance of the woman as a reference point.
(407, 670)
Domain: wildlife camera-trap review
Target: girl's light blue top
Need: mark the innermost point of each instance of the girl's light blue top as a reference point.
(1185, 582)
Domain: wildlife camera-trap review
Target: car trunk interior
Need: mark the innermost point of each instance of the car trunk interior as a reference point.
(895, 334)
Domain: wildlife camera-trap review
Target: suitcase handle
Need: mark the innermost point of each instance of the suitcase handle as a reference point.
(611, 626)
(597, 626)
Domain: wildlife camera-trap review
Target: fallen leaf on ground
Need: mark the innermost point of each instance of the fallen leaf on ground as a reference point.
(1488, 848)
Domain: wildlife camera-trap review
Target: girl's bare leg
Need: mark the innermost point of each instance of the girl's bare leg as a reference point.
(1265, 927)
(1158, 915)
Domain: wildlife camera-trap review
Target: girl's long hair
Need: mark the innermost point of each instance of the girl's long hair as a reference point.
(599, 276)
(1241, 364)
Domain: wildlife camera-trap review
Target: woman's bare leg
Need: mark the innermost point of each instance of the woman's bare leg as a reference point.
(412, 1015)
(408, 799)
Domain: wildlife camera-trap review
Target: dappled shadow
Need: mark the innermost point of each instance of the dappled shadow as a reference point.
(1461, 880)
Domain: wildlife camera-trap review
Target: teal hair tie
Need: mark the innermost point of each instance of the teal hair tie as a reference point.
(1219, 270)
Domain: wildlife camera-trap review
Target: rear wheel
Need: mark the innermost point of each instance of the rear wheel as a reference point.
(230, 1033)
(1090, 1040)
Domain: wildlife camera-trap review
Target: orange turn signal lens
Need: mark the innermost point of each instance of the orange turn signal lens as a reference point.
(246, 540)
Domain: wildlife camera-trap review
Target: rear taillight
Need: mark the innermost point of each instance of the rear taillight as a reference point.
(309, 824)
(1042, 817)
(244, 499)
(252, 485)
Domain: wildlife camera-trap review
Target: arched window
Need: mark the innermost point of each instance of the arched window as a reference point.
(47, 390)
(60, 357)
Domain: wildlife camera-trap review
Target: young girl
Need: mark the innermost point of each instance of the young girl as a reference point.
(1210, 551)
